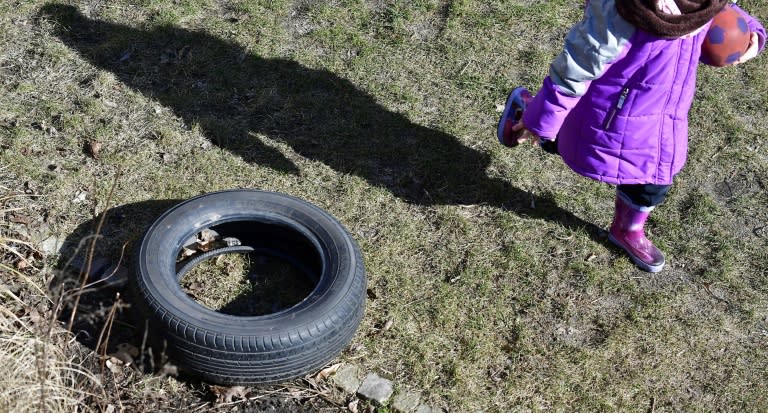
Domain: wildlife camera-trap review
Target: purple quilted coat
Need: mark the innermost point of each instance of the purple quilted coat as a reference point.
(617, 98)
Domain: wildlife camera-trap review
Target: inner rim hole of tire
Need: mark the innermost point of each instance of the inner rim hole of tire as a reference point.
(270, 268)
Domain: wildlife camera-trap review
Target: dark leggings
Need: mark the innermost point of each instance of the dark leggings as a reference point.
(646, 195)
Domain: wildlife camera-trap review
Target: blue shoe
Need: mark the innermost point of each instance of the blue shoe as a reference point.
(513, 112)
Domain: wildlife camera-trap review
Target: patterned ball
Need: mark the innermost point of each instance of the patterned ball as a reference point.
(727, 38)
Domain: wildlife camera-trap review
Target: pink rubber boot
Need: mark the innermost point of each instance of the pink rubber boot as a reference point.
(628, 233)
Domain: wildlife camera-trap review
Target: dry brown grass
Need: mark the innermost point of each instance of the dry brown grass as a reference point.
(41, 365)
(44, 372)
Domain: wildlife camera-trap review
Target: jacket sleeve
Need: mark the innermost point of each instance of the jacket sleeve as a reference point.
(592, 45)
(754, 26)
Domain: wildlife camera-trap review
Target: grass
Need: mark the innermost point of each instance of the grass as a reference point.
(503, 291)
(241, 284)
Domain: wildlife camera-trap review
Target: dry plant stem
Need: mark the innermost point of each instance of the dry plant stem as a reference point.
(41, 356)
(106, 277)
(119, 402)
(91, 251)
(8, 313)
(13, 251)
(107, 329)
(143, 349)
(26, 279)
(61, 296)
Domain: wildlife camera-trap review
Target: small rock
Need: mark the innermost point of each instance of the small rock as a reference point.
(93, 149)
(347, 377)
(405, 402)
(80, 197)
(20, 231)
(231, 241)
(376, 389)
(51, 245)
(167, 157)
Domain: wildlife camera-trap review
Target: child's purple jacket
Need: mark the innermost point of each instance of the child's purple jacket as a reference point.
(617, 98)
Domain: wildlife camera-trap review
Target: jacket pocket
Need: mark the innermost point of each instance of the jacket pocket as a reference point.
(616, 108)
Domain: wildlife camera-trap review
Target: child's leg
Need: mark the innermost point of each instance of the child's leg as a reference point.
(644, 195)
(633, 205)
(549, 146)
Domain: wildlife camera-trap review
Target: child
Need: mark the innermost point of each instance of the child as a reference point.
(615, 104)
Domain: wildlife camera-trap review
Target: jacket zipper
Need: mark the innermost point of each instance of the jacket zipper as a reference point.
(617, 108)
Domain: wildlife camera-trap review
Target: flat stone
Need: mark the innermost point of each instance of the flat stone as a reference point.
(20, 231)
(376, 389)
(405, 402)
(347, 377)
(51, 245)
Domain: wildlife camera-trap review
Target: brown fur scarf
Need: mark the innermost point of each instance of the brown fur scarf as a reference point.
(645, 15)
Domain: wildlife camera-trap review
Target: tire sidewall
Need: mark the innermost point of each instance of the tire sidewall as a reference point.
(341, 283)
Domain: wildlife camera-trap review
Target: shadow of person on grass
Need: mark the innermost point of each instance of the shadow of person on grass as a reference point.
(242, 101)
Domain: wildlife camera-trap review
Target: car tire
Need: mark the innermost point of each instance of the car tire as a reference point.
(269, 348)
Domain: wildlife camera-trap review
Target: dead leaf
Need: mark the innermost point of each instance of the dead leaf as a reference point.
(206, 240)
(231, 241)
(114, 365)
(167, 157)
(126, 353)
(192, 289)
(327, 372)
(352, 406)
(93, 149)
(20, 219)
(170, 370)
(207, 235)
(387, 325)
(228, 394)
(354, 348)
(186, 252)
